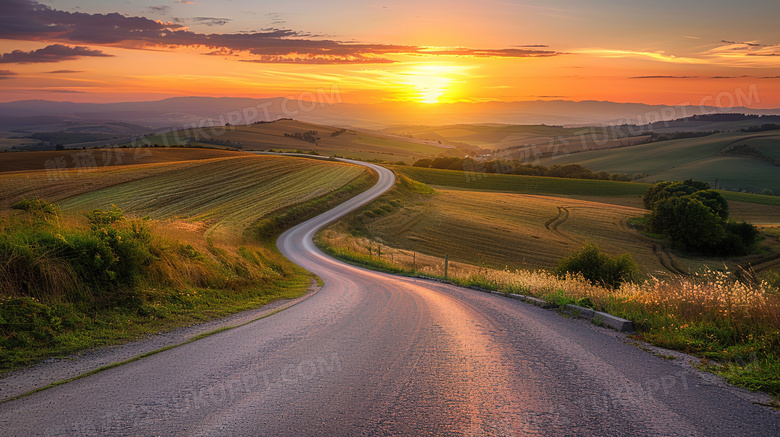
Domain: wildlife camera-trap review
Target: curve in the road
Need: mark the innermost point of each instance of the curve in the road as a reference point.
(377, 354)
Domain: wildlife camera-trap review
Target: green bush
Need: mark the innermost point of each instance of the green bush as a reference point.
(42, 260)
(599, 268)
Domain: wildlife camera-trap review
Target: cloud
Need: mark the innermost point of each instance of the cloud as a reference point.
(656, 56)
(317, 60)
(493, 53)
(32, 21)
(212, 21)
(7, 74)
(64, 71)
(54, 90)
(160, 9)
(748, 43)
(749, 53)
(52, 53)
(664, 77)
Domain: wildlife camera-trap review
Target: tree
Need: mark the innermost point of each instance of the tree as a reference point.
(689, 222)
(715, 201)
(696, 218)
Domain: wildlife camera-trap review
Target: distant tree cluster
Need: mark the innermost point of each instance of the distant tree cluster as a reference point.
(654, 137)
(762, 128)
(517, 167)
(308, 136)
(338, 132)
(696, 217)
(729, 116)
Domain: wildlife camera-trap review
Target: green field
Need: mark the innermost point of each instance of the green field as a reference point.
(620, 193)
(522, 184)
(696, 158)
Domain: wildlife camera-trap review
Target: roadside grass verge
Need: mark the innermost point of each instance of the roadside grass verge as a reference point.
(68, 287)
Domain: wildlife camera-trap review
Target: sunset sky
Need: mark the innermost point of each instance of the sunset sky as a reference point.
(655, 52)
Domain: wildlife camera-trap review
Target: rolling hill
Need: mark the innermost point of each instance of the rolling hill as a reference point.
(704, 158)
(292, 135)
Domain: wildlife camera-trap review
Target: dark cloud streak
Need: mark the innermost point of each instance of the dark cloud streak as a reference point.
(212, 21)
(52, 53)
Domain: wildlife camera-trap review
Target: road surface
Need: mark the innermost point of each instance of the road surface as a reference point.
(375, 354)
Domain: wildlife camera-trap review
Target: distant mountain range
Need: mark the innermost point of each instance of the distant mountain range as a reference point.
(177, 112)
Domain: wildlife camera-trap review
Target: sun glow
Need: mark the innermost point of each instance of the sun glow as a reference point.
(431, 83)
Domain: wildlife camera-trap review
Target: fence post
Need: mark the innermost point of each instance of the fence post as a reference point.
(446, 266)
(379, 251)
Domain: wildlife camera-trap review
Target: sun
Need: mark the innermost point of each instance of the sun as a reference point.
(430, 89)
(430, 83)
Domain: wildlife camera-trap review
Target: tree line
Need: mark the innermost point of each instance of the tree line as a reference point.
(518, 167)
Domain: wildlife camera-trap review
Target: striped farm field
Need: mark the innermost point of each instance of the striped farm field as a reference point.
(512, 230)
(197, 193)
(229, 193)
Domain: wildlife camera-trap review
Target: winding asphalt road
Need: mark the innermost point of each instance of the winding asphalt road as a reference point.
(376, 354)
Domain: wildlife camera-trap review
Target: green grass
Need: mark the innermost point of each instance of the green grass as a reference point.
(31, 330)
(522, 184)
(687, 158)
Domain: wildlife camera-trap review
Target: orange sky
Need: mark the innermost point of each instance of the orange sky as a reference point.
(437, 52)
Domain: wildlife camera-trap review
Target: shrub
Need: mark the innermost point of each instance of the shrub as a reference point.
(598, 268)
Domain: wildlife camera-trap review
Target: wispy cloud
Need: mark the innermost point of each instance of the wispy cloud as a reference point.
(744, 53)
(56, 90)
(664, 77)
(52, 53)
(657, 55)
(160, 9)
(7, 74)
(64, 71)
